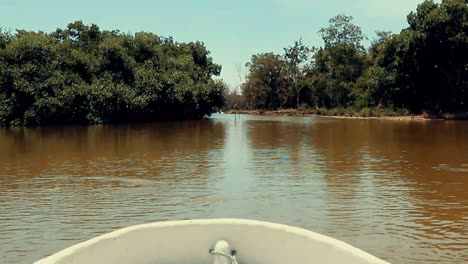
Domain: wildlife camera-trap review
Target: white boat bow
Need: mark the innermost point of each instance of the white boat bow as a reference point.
(194, 241)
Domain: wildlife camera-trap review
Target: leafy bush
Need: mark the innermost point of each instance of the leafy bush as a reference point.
(84, 75)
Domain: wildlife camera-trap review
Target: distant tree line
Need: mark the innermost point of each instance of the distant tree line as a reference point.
(423, 68)
(83, 75)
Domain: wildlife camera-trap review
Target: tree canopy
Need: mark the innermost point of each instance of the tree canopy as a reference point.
(423, 68)
(84, 75)
(341, 31)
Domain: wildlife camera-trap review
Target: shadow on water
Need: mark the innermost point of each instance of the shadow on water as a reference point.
(143, 150)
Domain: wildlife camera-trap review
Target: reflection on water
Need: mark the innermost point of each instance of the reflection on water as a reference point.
(398, 190)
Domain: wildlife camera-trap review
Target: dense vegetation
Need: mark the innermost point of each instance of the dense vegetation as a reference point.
(84, 75)
(423, 68)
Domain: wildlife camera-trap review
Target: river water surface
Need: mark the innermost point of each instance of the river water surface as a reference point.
(396, 189)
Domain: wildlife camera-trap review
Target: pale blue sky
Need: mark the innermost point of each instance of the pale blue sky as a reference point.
(232, 30)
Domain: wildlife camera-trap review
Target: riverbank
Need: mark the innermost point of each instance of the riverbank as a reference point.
(384, 114)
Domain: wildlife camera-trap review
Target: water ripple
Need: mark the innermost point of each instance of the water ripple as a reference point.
(380, 186)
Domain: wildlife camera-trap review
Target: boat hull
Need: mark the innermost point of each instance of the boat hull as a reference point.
(189, 241)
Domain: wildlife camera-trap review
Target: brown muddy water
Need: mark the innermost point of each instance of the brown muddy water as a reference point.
(396, 189)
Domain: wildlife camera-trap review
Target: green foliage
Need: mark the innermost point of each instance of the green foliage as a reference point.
(277, 81)
(84, 75)
(336, 71)
(424, 68)
(265, 88)
(296, 61)
(341, 31)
